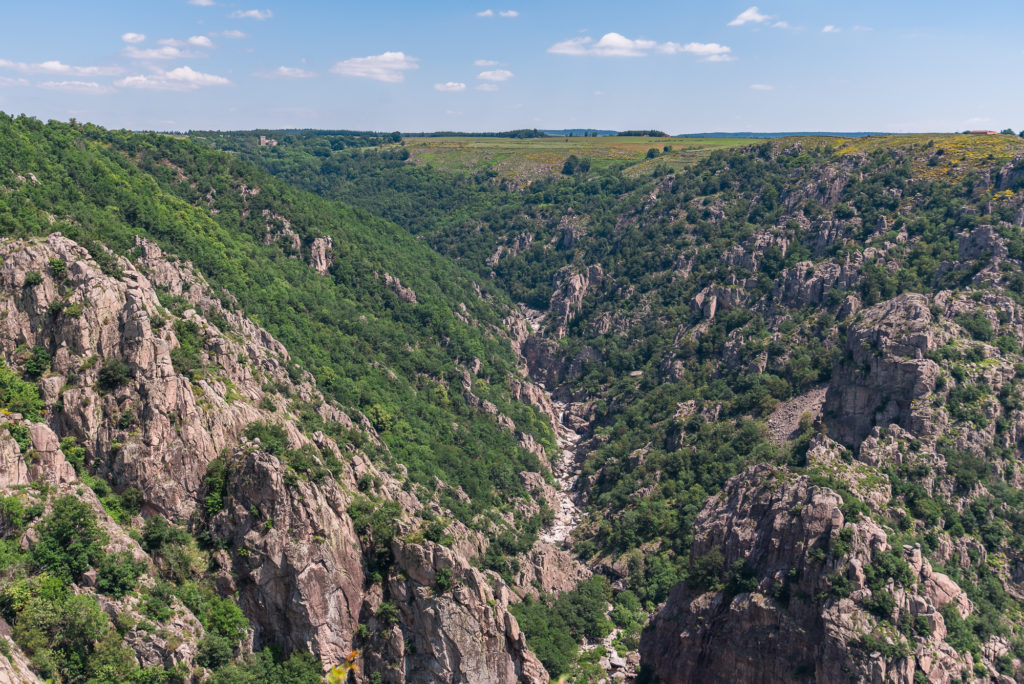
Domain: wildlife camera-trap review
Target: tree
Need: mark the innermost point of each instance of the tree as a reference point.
(570, 166)
(70, 540)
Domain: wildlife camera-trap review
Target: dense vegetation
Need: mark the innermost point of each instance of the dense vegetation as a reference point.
(736, 225)
(398, 362)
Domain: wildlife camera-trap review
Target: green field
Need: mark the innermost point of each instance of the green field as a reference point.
(523, 159)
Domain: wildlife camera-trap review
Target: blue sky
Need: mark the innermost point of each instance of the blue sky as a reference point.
(682, 66)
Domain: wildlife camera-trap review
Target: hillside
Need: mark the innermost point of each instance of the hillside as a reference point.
(254, 415)
(475, 426)
(843, 309)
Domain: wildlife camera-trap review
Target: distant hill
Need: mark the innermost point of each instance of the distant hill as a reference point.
(748, 134)
(579, 132)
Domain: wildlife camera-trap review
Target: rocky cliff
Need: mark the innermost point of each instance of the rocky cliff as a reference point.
(189, 407)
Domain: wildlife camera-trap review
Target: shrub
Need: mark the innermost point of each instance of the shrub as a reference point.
(18, 396)
(37, 363)
(115, 373)
(118, 573)
(186, 356)
(70, 540)
(33, 278)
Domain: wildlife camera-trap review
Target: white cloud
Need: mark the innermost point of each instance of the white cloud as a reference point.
(165, 52)
(617, 45)
(450, 87)
(201, 41)
(781, 25)
(202, 3)
(485, 13)
(7, 81)
(133, 37)
(508, 14)
(862, 28)
(234, 33)
(498, 75)
(572, 46)
(173, 42)
(287, 72)
(751, 15)
(86, 87)
(388, 67)
(487, 87)
(485, 63)
(252, 14)
(182, 78)
(55, 67)
(708, 52)
(830, 29)
(761, 86)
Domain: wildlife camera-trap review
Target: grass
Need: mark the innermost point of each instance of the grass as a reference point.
(525, 159)
(959, 153)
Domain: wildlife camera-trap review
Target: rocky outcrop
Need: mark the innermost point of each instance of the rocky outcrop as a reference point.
(145, 419)
(885, 369)
(779, 618)
(291, 554)
(296, 558)
(445, 623)
(571, 286)
(321, 255)
(404, 293)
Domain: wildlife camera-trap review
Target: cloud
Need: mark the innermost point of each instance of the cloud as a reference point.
(165, 52)
(508, 14)
(617, 45)
(830, 29)
(201, 41)
(487, 87)
(751, 15)
(86, 87)
(485, 13)
(133, 37)
(55, 67)
(485, 63)
(761, 86)
(388, 67)
(259, 15)
(287, 72)
(7, 81)
(708, 52)
(182, 78)
(572, 46)
(202, 3)
(498, 75)
(450, 87)
(234, 33)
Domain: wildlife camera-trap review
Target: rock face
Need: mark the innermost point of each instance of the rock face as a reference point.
(783, 541)
(450, 626)
(290, 551)
(885, 370)
(570, 288)
(321, 255)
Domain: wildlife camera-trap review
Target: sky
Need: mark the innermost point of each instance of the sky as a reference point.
(682, 66)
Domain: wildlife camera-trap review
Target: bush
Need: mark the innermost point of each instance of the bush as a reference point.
(33, 278)
(115, 373)
(186, 356)
(118, 573)
(157, 533)
(70, 540)
(18, 396)
(37, 363)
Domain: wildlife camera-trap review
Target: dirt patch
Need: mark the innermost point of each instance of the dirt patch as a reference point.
(785, 420)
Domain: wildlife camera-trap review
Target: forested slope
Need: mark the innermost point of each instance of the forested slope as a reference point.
(843, 309)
